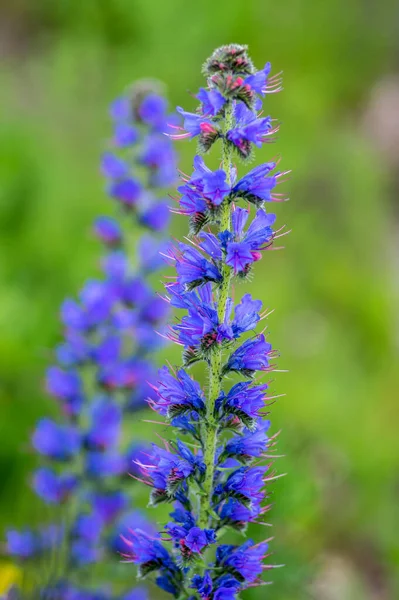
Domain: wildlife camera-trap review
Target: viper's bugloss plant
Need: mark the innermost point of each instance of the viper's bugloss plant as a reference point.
(104, 365)
(214, 469)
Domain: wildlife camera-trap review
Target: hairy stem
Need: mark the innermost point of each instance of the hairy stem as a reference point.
(215, 362)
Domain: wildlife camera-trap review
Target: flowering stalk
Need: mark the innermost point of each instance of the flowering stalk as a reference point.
(105, 362)
(215, 480)
(215, 360)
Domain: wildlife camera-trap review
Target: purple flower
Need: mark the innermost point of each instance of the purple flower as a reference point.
(197, 539)
(193, 269)
(212, 101)
(22, 544)
(211, 245)
(215, 186)
(67, 387)
(144, 549)
(257, 185)
(151, 253)
(83, 553)
(246, 560)
(126, 524)
(51, 487)
(105, 427)
(258, 80)
(201, 328)
(194, 124)
(88, 527)
(166, 470)
(63, 384)
(250, 444)
(99, 464)
(246, 483)
(224, 588)
(114, 167)
(108, 230)
(235, 513)
(177, 394)
(58, 442)
(156, 217)
(153, 110)
(136, 594)
(246, 315)
(125, 135)
(251, 356)
(121, 109)
(127, 191)
(238, 256)
(108, 505)
(244, 398)
(203, 585)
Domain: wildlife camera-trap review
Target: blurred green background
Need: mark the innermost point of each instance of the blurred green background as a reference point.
(334, 288)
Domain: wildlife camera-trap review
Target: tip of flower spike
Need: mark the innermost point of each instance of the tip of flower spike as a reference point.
(140, 91)
(232, 57)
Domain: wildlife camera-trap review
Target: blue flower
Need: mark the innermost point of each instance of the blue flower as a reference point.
(153, 109)
(201, 329)
(258, 80)
(212, 101)
(22, 544)
(156, 217)
(224, 588)
(193, 269)
(251, 356)
(166, 471)
(108, 504)
(127, 191)
(120, 109)
(125, 135)
(215, 186)
(136, 594)
(118, 541)
(65, 386)
(146, 550)
(108, 464)
(257, 185)
(88, 527)
(105, 426)
(246, 560)
(194, 124)
(108, 230)
(197, 539)
(114, 167)
(59, 442)
(249, 444)
(177, 394)
(246, 315)
(238, 256)
(244, 484)
(244, 398)
(51, 487)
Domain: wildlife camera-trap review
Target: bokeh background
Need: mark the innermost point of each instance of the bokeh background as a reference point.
(334, 287)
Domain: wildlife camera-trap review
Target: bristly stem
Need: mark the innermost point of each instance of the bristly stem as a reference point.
(215, 362)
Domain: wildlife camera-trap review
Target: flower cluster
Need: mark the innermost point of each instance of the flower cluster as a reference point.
(216, 477)
(103, 364)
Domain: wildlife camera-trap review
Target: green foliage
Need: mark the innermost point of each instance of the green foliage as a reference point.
(332, 288)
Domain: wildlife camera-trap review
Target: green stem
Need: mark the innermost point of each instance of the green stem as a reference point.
(215, 362)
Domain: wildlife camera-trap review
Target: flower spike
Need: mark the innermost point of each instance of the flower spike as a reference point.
(219, 479)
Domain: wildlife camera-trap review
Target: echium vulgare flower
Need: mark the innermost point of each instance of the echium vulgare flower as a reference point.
(104, 364)
(216, 475)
